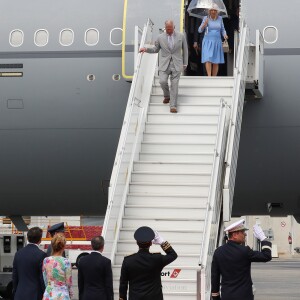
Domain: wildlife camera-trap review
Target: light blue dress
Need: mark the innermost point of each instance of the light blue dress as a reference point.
(212, 49)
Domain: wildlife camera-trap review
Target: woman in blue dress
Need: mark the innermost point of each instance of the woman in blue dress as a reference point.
(212, 49)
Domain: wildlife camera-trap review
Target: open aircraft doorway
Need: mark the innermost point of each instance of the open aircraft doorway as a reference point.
(135, 15)
(231, 24)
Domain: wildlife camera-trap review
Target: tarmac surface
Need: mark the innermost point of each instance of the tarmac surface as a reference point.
(275, 280)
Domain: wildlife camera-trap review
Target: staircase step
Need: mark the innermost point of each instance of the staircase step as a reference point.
(202, 81)
(201, 91)
(200, 128)
(160, 177)
(188, 236)
(180, 295)
(182, 118)
(130, 246)
(170, 285)
(193, 99)
(186, 272)
(175, 188)
(182, 259)
(186, 108)
(145, 166)
(180, 138)
(173, 200)
(177, 147)
(161, 211)
(169, 295)
(163, 223)
(204, 157)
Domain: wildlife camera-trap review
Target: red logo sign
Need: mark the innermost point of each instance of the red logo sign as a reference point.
(175, 273)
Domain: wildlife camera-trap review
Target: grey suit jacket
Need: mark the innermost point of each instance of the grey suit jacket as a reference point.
(179, 53)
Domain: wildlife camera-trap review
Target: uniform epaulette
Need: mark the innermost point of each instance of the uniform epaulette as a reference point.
(165, 245)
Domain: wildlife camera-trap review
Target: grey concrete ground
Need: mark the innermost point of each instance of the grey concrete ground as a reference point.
(275, 280)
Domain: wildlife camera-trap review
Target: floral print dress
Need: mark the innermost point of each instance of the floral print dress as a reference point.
(57, 273)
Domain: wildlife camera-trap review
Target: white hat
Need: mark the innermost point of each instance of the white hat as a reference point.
(236, 226)
(214, 6)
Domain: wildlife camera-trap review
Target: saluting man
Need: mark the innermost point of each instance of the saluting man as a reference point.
(232, 263)
(142, 270)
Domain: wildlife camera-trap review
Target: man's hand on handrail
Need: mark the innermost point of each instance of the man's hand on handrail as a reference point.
(143, 50)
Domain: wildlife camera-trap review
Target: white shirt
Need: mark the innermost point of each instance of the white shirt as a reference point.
(171, 41)
(34, 244)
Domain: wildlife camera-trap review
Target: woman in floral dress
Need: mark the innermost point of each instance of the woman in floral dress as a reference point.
(57, 272)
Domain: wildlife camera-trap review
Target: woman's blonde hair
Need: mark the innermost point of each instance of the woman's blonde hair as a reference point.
(58, 242)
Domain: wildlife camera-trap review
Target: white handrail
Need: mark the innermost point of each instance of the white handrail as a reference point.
(137, 106)
(137, 31)
(214, 201)
(213, 178)
(213, 212)
(124, 133)
(238, 99)
(121, 212)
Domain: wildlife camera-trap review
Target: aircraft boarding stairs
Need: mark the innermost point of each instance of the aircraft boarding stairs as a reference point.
(169, 174)
(170, 182)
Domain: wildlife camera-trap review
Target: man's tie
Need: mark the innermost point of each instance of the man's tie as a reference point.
(170, 42)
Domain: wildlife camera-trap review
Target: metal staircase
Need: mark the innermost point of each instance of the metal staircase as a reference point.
(170, 182)
(169, 173)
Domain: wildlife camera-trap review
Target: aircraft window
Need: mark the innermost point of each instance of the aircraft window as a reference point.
(91, 77)
(270, 34)
(92, 37)
(116, 77)
(116, 36)
(16, 38)
(41, 37)
(66, 37)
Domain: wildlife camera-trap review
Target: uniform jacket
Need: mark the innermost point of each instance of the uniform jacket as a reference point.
(232, 263)
(95, 280)
(179, 53)
(28, 283)
(142, 271)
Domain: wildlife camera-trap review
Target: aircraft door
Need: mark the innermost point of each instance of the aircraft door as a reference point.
(136, 13)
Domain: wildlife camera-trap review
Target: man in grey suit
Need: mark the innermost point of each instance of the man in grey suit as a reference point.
(173, 60)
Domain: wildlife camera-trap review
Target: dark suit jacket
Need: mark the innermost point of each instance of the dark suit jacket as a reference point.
(95, 278)
(28, 283)
(142, 271)
(232, 262)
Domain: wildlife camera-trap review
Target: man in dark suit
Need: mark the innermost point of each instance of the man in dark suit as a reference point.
(95, 275)
(142, 270)
(232, 263)
(28, 283)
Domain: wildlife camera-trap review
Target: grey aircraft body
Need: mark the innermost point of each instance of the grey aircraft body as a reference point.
(64, 87)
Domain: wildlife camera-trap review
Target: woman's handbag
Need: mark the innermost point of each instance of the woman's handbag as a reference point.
(225, 46)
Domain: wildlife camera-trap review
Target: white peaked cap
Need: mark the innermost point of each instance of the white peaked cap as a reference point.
(236, 226)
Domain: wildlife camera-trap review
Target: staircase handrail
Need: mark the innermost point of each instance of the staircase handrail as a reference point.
(212, 217)
(240, 73)
(131, 119)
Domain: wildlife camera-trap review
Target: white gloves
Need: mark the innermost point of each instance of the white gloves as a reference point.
(158, 240)
(258, 233)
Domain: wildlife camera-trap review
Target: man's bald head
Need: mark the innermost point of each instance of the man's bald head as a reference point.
(169, 26)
